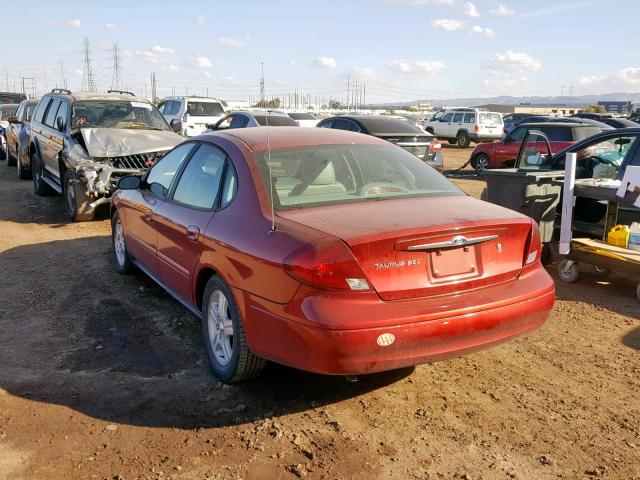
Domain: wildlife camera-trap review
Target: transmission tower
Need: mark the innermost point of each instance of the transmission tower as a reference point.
(116, 81)
(262, 93)
(88, 83)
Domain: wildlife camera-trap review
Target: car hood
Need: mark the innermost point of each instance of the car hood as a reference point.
(115, 142)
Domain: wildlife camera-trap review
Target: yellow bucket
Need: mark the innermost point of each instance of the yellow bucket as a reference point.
(618, 236)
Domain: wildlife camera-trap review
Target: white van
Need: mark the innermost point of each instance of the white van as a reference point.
(462, 125)
(195, 113)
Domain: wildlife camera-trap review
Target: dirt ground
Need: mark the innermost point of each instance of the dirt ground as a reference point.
(104, 376)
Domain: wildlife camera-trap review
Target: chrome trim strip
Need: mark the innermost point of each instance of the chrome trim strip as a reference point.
(458, 241)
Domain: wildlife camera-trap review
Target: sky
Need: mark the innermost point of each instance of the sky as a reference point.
(400, 50)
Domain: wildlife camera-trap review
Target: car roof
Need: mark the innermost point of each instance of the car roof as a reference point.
(292, 137)
(82, 96)
(555, 124)
(192, 98)
(380, 124)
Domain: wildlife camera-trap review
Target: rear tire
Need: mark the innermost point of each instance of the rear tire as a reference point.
(23, 173)
(481, 164)
(224, 337)
(463, 139)
(76, 199)
(11, 160)
(40, 188)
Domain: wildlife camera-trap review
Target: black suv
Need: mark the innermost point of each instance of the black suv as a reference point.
(82, 143)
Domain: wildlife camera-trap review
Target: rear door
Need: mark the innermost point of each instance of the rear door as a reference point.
(182, 221)
(141, 206)
(456, 124)
(48, 144)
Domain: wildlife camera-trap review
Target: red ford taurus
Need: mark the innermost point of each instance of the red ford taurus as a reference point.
(330, 251)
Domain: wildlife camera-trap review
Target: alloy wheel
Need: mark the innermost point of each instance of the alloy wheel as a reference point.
(220, 327)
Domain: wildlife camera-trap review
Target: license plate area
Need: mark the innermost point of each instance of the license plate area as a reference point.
(453, 262)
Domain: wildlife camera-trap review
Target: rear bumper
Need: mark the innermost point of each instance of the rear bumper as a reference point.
(356, 351)
(481, 137)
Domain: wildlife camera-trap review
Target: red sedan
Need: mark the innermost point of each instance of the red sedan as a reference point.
(366, 259)
(502, 153)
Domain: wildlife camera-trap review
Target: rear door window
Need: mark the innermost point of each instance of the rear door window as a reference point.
(457, 118)
(342, 124)
(200, 181)
(325, 124)
(238, 121)
(469, 118)
(52, 112)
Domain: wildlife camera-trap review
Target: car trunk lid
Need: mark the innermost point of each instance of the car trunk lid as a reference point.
(410, 248)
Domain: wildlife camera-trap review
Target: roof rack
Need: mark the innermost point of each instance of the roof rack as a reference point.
(123, 92)
(61, 90)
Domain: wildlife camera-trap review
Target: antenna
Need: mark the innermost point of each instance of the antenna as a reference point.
(266, 126)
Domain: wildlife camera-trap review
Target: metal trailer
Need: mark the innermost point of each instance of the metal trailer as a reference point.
(599, 253)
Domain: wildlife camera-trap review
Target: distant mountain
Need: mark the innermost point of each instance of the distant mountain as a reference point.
(536, 100)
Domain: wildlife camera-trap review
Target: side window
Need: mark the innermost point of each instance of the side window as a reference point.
(238, 121)
(518, 134)
(20, 112)
(325, 124)
(162, 173)
(342, 124)
(200, 181)
(447, 118)
(40, 109)
(62, 112)
(230, 185)
(51, 113)
(457, 118)
(469, 118)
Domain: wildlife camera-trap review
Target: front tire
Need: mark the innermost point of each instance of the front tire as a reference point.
(463, 139)
(23, 173)
(481, 164)
(11, 160)
(76, 199)
(224, 337)
(121, 257)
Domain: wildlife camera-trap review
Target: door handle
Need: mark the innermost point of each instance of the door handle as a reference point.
(193, 233)
(148, 216)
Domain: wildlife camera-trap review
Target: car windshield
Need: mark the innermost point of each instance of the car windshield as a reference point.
(302, 116)
(117, 114)
(204, 109)
(5, 113)
(11, 98)
(339, 174)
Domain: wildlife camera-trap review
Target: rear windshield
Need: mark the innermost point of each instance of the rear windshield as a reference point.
(338, 174)
(490, 119)
(302, 116)
(7, 112)
(585, 132)
(117, 114)
(11, 98)
(205, 109)
(276, 121)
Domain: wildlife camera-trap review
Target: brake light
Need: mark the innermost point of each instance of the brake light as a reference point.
(532, 248)
(326, 264)
(476, 129)
(435, 145)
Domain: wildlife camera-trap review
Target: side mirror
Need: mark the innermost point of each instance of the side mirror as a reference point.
(176, 125)
(13, 119)
(129, 183)
(60, 124)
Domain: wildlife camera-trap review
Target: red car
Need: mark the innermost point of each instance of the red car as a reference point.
(502, 153)
(366, 260)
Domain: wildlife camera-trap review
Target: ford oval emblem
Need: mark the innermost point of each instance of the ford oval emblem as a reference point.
(386, 339)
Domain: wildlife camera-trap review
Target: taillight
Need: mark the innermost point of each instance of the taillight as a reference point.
(435, 145)
(476, 129)
(326, 264)
(532, 248)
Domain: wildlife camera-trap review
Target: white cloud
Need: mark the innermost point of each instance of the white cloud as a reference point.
(73, 23)
(628, 77)
(446, 24)
(293, 63)
(503, 11)
(200, 20)
(510, 61)
(483, 31)
(228, 80)
(147, 55)
(201, 62)
(172, 68)
(77, 71)
(405, 66)
(112, 27)
(422, 2)
(470, 10)
(325, 62)
(161, 50)
(233, 42)
(365, 72)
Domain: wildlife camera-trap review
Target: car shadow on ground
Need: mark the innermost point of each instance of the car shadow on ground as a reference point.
(632, 339)
(118, 348)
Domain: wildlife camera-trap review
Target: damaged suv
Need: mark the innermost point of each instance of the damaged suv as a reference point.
(83, 143)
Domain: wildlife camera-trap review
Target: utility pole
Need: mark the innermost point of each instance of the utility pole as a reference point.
(348, 85)
(116, 81)
(88, 83)
(262, 97)
(153, 86)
